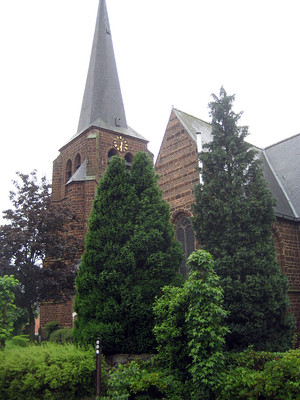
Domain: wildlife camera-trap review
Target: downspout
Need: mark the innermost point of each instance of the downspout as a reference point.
(199, 150)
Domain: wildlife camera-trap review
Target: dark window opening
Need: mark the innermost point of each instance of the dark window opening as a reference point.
(77, 162)
(185, 235)
(68, 170)
(128, 160)
(111, 153)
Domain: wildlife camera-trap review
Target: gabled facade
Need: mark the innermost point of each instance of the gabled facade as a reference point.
(176, 166)
(102, 132)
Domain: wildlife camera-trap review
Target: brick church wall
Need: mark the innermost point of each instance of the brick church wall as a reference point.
(287, 244)
(176, 166)
(56, 312)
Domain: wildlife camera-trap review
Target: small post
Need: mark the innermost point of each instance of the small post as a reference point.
(98, 368)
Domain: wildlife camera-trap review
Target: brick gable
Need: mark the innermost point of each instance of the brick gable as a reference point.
(176, 166)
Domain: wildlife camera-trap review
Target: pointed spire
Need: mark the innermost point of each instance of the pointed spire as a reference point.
(102, 96)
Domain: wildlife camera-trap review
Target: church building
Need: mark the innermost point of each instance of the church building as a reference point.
(103, 132)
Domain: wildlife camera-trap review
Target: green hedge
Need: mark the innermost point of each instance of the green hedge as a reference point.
(261, 376)
(64, 372)
(63, 335)
(141, 380)
(21, 340)
(248, 375)
(51, 327)
(48, 372)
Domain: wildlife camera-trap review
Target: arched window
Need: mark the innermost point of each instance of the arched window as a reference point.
(128, 158)
(185, 235)
(111, 153)
(68, 170)
(77, 162)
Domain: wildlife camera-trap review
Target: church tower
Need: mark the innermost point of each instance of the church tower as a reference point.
(102, 133)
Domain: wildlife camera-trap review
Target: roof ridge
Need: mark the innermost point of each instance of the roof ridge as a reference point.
(190, 115)
(281, 141)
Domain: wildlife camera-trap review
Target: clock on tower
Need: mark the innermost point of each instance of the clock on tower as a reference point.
(120, 143)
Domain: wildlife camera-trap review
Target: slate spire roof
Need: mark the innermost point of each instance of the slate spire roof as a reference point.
(102, 105)
(102, 96)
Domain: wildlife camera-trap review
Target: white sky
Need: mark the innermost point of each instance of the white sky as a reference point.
(168, 52)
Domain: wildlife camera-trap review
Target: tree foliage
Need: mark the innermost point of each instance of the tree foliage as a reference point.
(233, 221)
(36, 230)
(190, 329)
(8, 285)
(130, 253)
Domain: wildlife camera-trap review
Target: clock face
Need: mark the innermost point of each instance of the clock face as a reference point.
(120, 143)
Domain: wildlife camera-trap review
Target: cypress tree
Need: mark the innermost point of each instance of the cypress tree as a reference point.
(130, 253)
(233, 221)
(157, 254)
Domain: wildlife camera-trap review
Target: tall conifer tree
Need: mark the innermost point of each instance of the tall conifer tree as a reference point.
(130, 253)
(233, 221)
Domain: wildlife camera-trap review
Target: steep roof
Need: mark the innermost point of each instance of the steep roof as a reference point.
(282, 171)
(194, 125)
(102, 105)
(281, 165)
(102, 96)
(79, 175)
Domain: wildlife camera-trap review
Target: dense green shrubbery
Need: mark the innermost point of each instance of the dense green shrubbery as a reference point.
(48, 372)
(247, 375)
(51, 327)
(21, 340)
(190, 327)
(141, 380)
(62, 335)
(261, 375)
(55, 372)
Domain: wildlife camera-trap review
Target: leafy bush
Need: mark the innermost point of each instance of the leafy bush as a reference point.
(48, 372)
(51, 327)
(62, 335)
(141, 380)
(190, 329)
(8, 285)
(261, 375)
(21, 340)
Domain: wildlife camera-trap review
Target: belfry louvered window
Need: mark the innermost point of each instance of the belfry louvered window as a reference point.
(185, 235)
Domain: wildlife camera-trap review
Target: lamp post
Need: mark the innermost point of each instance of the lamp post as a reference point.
(98, 367)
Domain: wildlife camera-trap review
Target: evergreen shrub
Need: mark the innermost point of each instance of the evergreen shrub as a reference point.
(51, 327)
(48, 372)
(62, 335)
(130, 254)
(233, 217)
(20, 340)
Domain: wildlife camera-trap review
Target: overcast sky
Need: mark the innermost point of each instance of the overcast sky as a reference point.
(168, 52)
